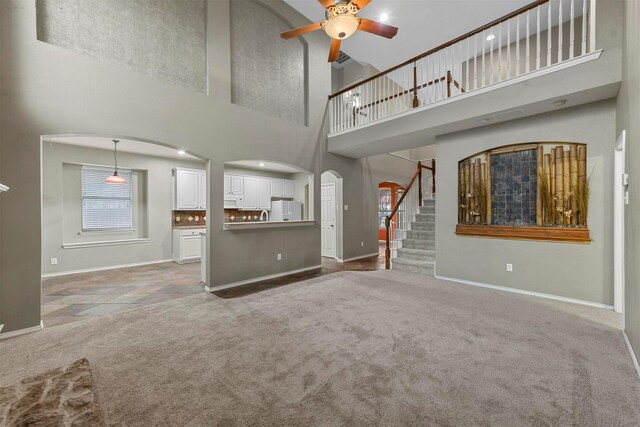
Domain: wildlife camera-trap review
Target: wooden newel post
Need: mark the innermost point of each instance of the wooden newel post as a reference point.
(387, 251)
(419, 183)
(416, 101)
(433, 174)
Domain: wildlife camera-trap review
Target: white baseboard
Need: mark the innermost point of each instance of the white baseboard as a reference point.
(19, 332)
(358, 257)
(110, 267)
(260, 279)
(525, 292)
(633, 354)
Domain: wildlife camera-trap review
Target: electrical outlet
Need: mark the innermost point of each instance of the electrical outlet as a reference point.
(362, 244)
(509, 267)
(279, 257)
(54, 261)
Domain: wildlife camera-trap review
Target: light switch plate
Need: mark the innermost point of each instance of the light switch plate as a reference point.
(346, 207)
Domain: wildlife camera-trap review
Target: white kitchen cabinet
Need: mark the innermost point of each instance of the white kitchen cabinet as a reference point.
(187, 244)
(257, 193)
(190, 189)
(282, 188)
(233, 185)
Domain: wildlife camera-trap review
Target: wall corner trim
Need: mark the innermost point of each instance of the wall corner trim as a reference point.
(633, 354)
(525, 292)
(358, 257)
(261, 278)
(19, 332)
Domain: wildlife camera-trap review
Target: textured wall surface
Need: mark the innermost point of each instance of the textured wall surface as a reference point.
(267, 73)
(162, 38)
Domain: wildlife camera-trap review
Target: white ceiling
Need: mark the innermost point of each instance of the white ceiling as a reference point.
(124, 145)
(423, 24)
(268, 166)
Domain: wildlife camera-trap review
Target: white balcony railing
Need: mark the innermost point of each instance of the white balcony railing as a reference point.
(509, 47)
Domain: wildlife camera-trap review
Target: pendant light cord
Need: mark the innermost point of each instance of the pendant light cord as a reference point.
(115, 155)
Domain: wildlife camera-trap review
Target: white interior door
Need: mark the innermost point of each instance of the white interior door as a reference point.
(620, 199)
(328, 219)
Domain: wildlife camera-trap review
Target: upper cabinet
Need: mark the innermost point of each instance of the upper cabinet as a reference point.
(282, 188)
(190, 190)
(233, 184)
(257, 193)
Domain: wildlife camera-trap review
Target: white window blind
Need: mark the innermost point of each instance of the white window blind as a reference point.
(105, 206)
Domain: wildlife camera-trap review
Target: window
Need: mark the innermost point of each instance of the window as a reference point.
(384, 206)
(105, 206)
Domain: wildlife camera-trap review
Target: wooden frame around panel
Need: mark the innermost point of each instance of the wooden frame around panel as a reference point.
(554, 234)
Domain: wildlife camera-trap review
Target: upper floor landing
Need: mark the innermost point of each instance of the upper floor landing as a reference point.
(548, 55)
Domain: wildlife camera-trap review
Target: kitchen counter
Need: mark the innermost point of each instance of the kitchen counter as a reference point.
(189, 226)
(251, 225)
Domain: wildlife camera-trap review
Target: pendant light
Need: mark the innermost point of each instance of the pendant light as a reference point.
(115, 178)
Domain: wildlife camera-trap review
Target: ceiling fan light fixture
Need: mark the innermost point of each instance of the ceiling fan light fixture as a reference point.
(341, 27)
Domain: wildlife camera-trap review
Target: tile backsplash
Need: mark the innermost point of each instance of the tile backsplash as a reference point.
(236, 215)
(181, 218)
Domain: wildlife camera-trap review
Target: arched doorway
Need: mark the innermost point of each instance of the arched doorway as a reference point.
(388, 195)
(111, 246)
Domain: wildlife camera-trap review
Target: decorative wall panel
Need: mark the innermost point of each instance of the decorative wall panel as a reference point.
(513, 188)
(267, 73)
(161, 38)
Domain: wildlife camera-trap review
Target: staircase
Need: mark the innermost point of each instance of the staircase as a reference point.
(416, 253)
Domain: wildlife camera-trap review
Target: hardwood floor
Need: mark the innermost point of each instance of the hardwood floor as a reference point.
(77, 297)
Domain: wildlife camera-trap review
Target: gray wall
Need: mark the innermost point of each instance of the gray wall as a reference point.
(51, 91)
(267, 72)
(628, 116)
(162, 38)
(583, 272)
(61, 208)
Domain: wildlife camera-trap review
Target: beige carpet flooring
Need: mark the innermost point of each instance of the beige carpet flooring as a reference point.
(353, 348)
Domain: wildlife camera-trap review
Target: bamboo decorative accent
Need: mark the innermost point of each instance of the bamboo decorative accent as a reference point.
(561, 187)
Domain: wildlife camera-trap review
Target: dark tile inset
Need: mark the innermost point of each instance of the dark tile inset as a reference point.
(514, 180)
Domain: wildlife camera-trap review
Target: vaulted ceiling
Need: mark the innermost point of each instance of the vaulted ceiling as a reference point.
(423, 24)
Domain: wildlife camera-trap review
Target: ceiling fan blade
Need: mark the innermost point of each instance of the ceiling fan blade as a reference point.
(360, 4)
(334, 52)
(327, 3)
(302, 30)
(377, 28)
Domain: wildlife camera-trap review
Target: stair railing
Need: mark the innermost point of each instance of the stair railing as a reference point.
(397, 223)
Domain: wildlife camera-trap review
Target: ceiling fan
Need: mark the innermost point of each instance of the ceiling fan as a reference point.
(341, 23)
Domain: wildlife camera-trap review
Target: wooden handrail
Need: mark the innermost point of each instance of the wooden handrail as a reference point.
(389, 218)
(444, 45)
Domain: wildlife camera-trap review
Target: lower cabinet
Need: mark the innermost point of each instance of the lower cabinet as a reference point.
(187, 244)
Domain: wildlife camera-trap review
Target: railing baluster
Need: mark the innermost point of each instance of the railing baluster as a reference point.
(584, 27)
(517, 46)
(509, 49)
(571, 30)
(491, 59)
(467, 64)
(538, 38)
(559, 31)
(500, 53)
(475, 61)
(592, 26)
(527, 47)
(484, 65)
(549, 33)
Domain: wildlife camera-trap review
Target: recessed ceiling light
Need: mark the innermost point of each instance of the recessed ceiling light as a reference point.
(491, 37)
(485, 120)
(560, 103)
(383, 17)
(261, 165)
(182, 152)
